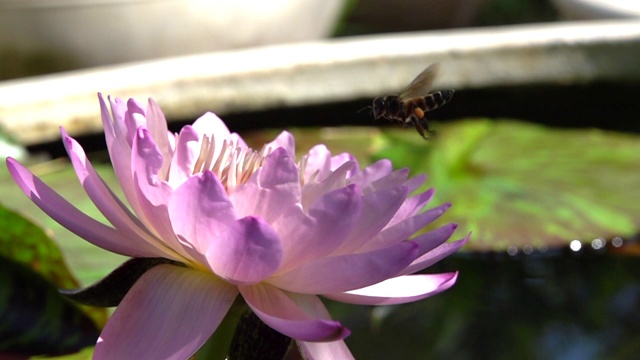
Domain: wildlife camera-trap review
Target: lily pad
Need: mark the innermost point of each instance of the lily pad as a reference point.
(519, 184)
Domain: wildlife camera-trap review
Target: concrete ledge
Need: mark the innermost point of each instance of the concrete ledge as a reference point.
(31, 110)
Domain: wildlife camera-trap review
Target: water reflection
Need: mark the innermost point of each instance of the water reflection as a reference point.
(524, 304)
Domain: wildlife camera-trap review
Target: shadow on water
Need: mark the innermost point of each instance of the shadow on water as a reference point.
(559, 304)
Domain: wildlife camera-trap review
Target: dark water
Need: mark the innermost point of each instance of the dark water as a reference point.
(557, 304)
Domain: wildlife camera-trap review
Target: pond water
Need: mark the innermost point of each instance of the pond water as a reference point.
(556, 304)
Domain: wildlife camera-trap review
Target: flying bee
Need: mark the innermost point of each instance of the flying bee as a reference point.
(411, 105)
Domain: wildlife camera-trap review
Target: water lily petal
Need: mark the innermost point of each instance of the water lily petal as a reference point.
(301, 317)
(184, 157)
(318, 163)
(168, 314)
(200, 210)
(394, 179)
(336, 180)
(271, 190)
(211, 125)
(70, 217)
(118, 147)
(324, 350)
(435, 255)
(398, 290)
(157, 125)
(107, 202)
(247, 252)
(322, 229)
(371, 173)
(432, 239)
(412, 206)
(347, 272)
(379, 207)
(284, 140)
(403, 229)
(415, 182)
(340, 159)
(153, 194)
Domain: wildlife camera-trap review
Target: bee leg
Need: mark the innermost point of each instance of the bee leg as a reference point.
(422, 125)
(420, 130)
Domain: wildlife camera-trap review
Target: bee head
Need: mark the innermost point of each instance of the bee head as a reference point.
(378, 107)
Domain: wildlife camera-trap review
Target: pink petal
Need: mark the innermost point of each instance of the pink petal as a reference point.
(371, 173)
(211, 125)
(324, 350)
(347, 272)
(109, 205)
(271, 190)
(432, 239)
(247, 252)
(379, 207)
(119, 149)
(134, 118)
(335, 180)
(318, 160)
(301, 317)
(286, 141)
(340, 159)
(412, 206)
(200, 210)
(70, 217)
(404, 229)
(435, 255)
(394, 179)
(322, 229)
(398, 290)
(415, 182)
(152, 193)
(169, 313)
(157, 125)
(184, 157)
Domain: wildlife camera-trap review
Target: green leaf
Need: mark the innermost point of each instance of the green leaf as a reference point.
(520, 184)
(24, 242)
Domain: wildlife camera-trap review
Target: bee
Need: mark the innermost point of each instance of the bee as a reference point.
(411, 105)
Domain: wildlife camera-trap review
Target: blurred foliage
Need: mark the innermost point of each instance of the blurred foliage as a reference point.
(23, 241)
(520, 184)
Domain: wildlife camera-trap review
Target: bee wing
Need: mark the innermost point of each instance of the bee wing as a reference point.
(421, 85)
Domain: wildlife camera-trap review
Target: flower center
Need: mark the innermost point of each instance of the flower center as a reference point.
(233, 165)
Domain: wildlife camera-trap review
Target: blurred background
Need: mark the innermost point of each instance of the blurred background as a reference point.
(538, 150)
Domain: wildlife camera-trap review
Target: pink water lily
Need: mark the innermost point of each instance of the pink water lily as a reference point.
(255, 223)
